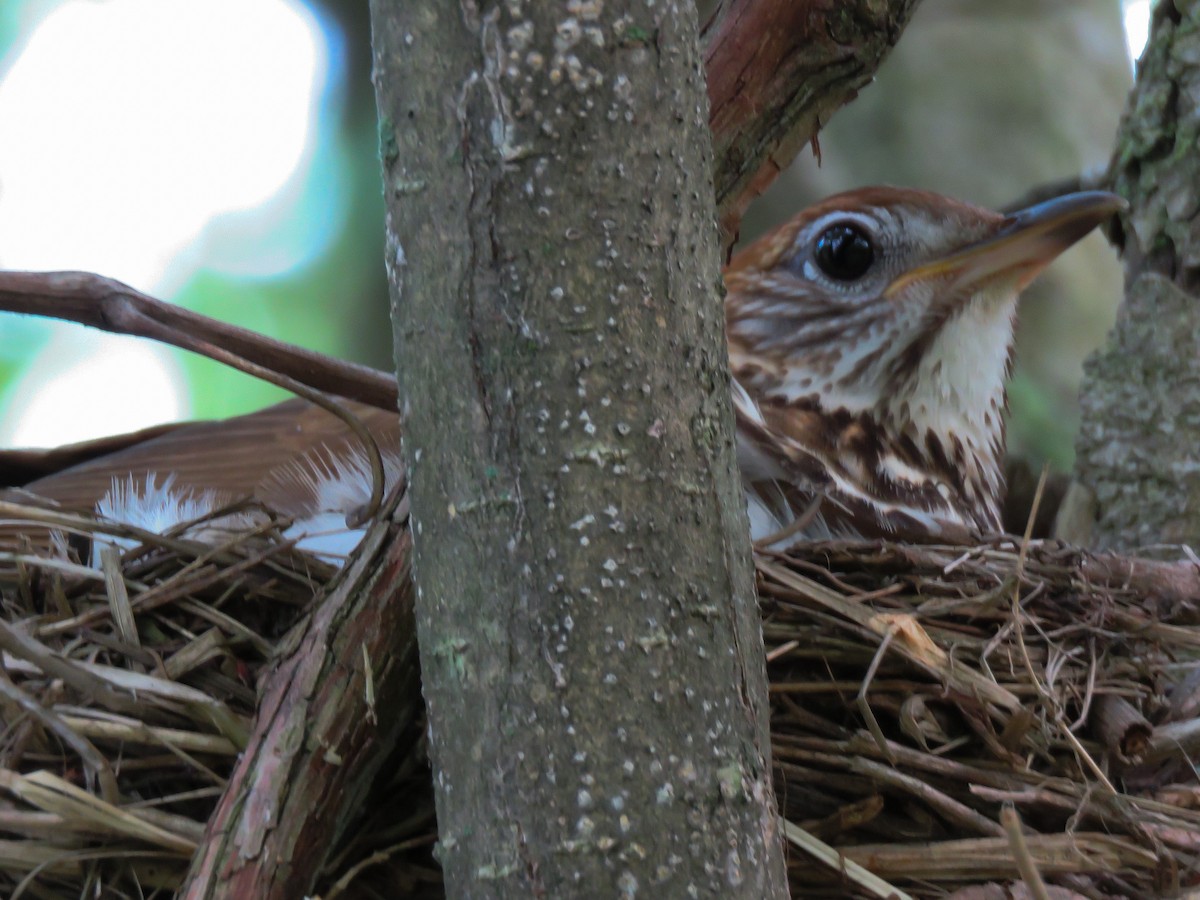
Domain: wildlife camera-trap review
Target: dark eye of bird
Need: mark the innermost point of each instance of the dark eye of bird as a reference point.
(844, 252)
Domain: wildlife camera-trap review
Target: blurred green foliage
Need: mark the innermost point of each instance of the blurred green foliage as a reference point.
(336, 301)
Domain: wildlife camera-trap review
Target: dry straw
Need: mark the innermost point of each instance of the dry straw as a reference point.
(945, 719)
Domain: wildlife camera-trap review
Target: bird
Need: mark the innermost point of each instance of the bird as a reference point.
(870, 342)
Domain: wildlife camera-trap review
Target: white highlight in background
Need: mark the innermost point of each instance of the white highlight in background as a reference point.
(128, 126)
(108, 390)
(1137, 26)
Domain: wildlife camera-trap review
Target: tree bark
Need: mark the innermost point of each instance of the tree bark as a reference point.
(1141, 394)
(591, 648)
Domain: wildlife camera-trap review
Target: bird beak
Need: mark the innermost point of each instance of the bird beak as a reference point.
(1023, 244)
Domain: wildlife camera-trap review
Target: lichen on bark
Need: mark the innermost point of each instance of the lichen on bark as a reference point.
(1137, 450)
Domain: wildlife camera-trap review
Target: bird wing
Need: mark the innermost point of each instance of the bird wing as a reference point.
(21, 466)
(781, 481)
(231, 457)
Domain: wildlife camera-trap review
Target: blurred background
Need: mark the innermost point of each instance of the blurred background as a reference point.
(222, 154)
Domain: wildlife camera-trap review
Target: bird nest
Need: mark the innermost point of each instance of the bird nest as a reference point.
(944, 719)
(127, 692)
(950, 718)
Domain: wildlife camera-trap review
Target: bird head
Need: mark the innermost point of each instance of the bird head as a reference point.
(893, 310)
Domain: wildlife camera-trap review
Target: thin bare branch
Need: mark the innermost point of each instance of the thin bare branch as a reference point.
(111, 306)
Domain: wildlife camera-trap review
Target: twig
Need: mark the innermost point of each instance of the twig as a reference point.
(782, 650)
(797, 525)
(88, 754)
(1052, 705)
(23, 646)
(955, 812)
(864, 706)
(1173, 739)
(109, 305)
(1016, 839)
(1123, 730)
(381, 856)
(821, 851)
(118, 594)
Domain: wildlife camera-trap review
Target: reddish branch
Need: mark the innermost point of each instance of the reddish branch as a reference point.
(112, 306)
(777, 71)
(329, 716)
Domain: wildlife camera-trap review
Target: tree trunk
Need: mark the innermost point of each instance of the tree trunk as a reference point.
(590, 642)
(1137, 452)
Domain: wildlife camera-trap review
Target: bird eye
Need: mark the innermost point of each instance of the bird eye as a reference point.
(844, 252)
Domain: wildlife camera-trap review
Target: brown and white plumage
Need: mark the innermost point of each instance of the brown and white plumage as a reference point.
(870, 341)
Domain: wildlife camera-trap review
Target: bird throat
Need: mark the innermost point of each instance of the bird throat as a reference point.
(954, 401)
(916, 451)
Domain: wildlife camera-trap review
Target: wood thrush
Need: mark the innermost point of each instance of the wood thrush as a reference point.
(870, 340)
